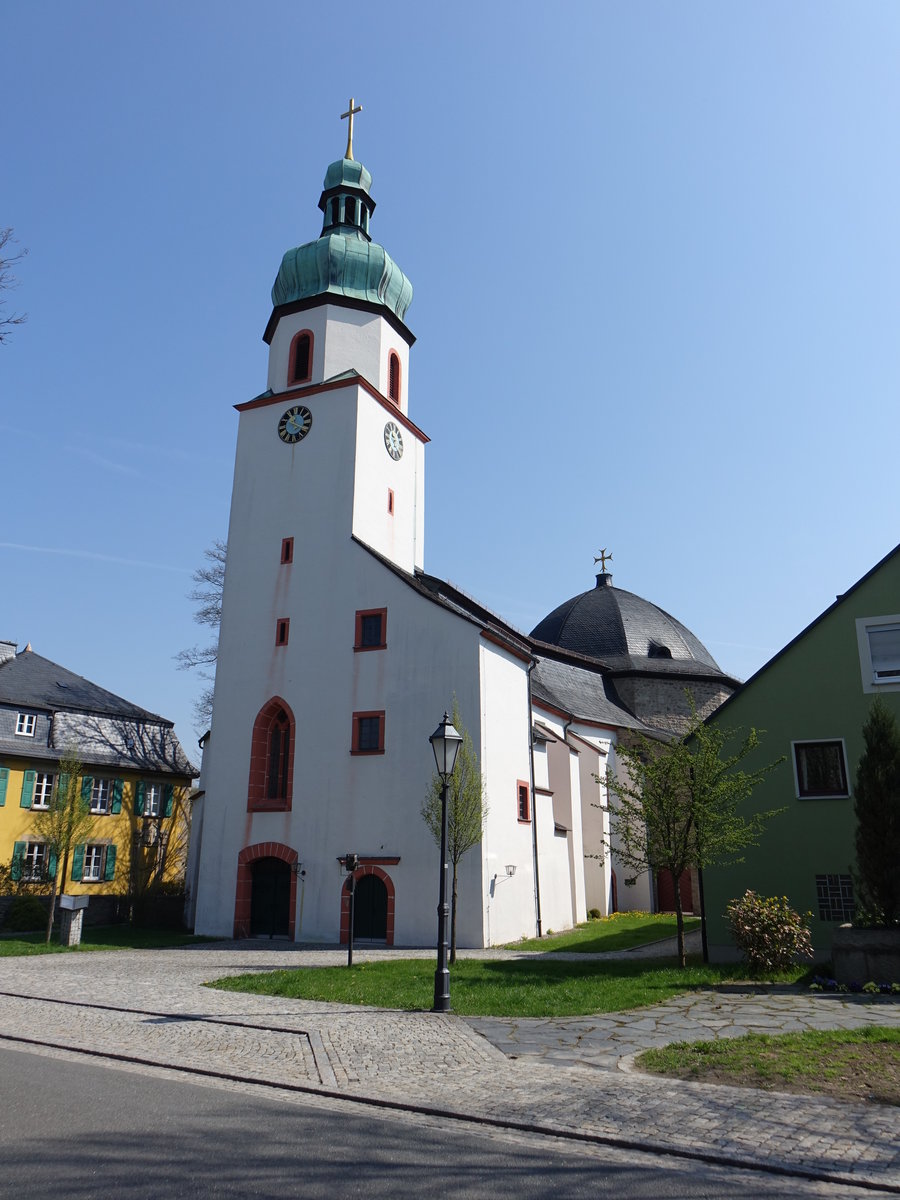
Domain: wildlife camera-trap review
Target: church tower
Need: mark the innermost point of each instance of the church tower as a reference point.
(327, 461)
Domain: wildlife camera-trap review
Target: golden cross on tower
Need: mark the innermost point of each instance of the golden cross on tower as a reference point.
(602, 559)
(349, 113)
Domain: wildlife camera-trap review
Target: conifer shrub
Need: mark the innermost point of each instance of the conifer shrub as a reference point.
(769, 932)
(877, 807)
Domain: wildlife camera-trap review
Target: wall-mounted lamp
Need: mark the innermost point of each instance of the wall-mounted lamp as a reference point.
(510, 869)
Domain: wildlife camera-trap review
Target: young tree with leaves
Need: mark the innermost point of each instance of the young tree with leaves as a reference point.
(209, 581)
(65, 822)
(466, 811)
(676, 804)
(877, 807)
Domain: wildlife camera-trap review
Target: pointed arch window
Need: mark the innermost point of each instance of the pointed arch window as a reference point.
(272, 759)
(300, 358)
(394, 377)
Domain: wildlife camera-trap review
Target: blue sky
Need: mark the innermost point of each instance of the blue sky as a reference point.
(655, 250)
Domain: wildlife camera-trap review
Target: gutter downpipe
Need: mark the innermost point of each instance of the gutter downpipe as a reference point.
(534, 845)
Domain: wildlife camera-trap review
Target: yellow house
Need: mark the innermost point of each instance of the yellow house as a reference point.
(135, 780)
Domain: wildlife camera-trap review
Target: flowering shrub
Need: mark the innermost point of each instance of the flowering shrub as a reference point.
(822, 983)
(768, 931)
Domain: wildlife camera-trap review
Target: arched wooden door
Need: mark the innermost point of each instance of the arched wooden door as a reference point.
(270, 898)
(370, 909)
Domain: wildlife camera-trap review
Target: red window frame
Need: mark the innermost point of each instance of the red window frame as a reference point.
(287, 551)
(293, 377)
(282, 631)
(270, 716)
(391, 501)
(523, 801)
(358, 718)
(361, 613)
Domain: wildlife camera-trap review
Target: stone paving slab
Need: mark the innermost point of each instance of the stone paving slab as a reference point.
(563, 1080)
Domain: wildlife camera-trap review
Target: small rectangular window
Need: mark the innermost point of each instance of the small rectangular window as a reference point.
(25, 723)
(153, 800)
(835, 897)
(820, 770)
(34, 862)
(93, 864)
(879, 652)
(282, 630)
(287, 551)
(371, 629)
(43, 790)
(368, 733)
(100, 796)
(391, 501)
(523, 798)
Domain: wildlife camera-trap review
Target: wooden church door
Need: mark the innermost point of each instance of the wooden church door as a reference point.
(270, 898)
(370, 909)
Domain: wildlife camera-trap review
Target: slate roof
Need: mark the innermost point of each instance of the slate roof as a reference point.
(106, 729)
(627, 633)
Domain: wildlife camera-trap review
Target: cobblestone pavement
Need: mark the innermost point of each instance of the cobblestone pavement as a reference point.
(555, 1076)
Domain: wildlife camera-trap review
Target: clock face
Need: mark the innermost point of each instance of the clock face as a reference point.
(295, 424)
(393, 440)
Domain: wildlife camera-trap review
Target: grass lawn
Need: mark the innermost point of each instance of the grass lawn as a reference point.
(860, 1064)
(100, 937)
(510, 988)
(623, 931)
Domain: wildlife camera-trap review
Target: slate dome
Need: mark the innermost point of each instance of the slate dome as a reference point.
(625, 631)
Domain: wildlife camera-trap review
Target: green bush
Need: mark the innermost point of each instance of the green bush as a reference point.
(26, 914)
(769, 933)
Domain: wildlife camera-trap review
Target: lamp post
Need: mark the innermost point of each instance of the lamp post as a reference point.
(350, 862)
(445, 742)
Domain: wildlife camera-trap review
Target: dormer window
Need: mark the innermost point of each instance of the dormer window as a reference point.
(394, 377)
(350, 211)
(658, 650)
(300, 358)
(25, 723)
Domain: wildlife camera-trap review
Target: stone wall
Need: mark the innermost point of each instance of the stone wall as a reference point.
(664, 702)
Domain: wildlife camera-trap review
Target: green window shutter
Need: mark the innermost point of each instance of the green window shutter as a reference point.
(62, 787)
(78, 861)
(139, 792)
(27, 789)
(15, 871)
(87, 785)
(169, 794)
(117, 796)
(109, 870)
(51, 864)
(4, 780)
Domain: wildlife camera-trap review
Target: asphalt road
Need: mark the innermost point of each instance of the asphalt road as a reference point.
(73, 1128)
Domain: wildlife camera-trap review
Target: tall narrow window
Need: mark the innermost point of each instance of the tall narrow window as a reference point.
(279, 750)
(349, 211)
(272, 758)
(287, 551)
(394, 377)
(335, 210)
(282, 630)
(301, 353)
(391, 501)
(523, 800)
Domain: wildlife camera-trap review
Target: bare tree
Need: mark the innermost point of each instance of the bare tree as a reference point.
(207, 594)
(8, 281)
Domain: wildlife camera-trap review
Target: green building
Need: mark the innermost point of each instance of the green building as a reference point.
(811, 700)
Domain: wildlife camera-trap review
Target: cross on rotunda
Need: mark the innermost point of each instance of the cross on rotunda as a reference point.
(349, 113)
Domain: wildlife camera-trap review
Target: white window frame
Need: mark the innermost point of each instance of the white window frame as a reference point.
(101, 797)
(34, 861)
(820, 741)
(863, 627)
(91, 873)
(153, 800)
(43, 790)
(25, 724)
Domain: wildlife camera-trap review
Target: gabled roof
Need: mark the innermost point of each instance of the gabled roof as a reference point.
(32, 681)
(841, 599)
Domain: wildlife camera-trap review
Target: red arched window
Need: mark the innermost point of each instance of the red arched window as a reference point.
(272, 758)
(394, 377)
(301, 357)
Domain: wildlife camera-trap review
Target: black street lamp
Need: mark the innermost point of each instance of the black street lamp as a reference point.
(445, 742)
